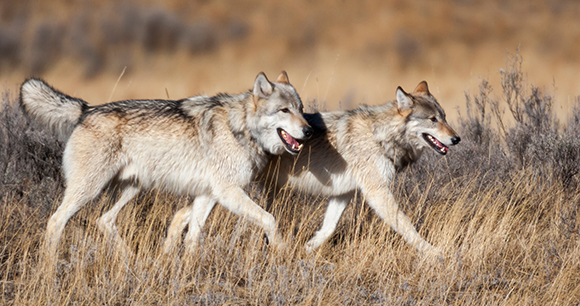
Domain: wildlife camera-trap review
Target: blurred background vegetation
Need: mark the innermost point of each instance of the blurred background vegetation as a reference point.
(341, 53)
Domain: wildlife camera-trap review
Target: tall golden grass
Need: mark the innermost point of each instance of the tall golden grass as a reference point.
(502, 206)
(496, 252)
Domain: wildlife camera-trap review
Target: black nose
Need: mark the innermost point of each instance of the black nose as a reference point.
(307, 131)
(455, 140)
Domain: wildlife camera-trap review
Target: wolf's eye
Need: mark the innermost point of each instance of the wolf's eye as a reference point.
(285, 110)
(433, 119)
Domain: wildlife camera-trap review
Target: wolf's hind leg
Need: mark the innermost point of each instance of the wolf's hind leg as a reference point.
(336, 206)
(106, 222)
(77, 194)
(74, 198)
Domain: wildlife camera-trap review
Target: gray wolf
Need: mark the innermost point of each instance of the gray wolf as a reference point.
(360, 149)
(209, 147)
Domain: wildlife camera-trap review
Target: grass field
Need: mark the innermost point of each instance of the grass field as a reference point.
(502, 205)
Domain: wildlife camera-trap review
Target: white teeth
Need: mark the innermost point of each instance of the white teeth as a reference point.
(294, 147)
(297, 147)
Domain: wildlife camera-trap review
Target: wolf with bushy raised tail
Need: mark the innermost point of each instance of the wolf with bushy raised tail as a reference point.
(360, 149)
(209, 147)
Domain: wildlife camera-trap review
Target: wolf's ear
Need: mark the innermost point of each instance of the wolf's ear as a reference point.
(283, 78)
(404, 102)
(262, 87)
(422, 88)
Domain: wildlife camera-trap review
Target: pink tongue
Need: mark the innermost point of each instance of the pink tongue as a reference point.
(291, 141)
(437, 143)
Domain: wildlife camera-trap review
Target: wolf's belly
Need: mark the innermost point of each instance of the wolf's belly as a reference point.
(331, 185)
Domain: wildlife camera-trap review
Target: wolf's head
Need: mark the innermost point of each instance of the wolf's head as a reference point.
(426, 119)
(277, 122)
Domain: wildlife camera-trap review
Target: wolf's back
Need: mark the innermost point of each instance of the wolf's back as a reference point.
(52, 108)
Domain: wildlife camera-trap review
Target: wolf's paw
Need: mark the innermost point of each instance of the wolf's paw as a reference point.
(276, 243)
(311, 246)
(435, 254)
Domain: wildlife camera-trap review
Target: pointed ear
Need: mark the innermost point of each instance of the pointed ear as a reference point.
(404, 102)
(422, 88)
(283, 78)
(262, 87)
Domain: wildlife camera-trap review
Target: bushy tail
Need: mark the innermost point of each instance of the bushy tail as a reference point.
(54, 109)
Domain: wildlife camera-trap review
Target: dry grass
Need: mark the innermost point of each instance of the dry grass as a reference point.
(508, 225)
(522, 251)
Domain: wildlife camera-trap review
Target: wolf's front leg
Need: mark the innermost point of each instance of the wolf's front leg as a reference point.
(202, 207)
(237, 201)
(336, 206)
(384, 204)
(195, 215)
(178, 224)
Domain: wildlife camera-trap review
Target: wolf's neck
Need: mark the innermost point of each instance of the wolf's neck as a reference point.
(241, 128)
(389, 129)
(397, 147)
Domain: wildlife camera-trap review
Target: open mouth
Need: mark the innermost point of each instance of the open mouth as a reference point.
(436, 144)
(292, 144)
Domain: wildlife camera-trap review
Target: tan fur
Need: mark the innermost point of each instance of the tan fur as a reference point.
(422, 88)
(283, 78)
(362, 150)
(209, 147)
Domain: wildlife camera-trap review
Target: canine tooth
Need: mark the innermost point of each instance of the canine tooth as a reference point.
(300, 146)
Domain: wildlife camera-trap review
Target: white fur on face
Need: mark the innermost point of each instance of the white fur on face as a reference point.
(271, 118)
